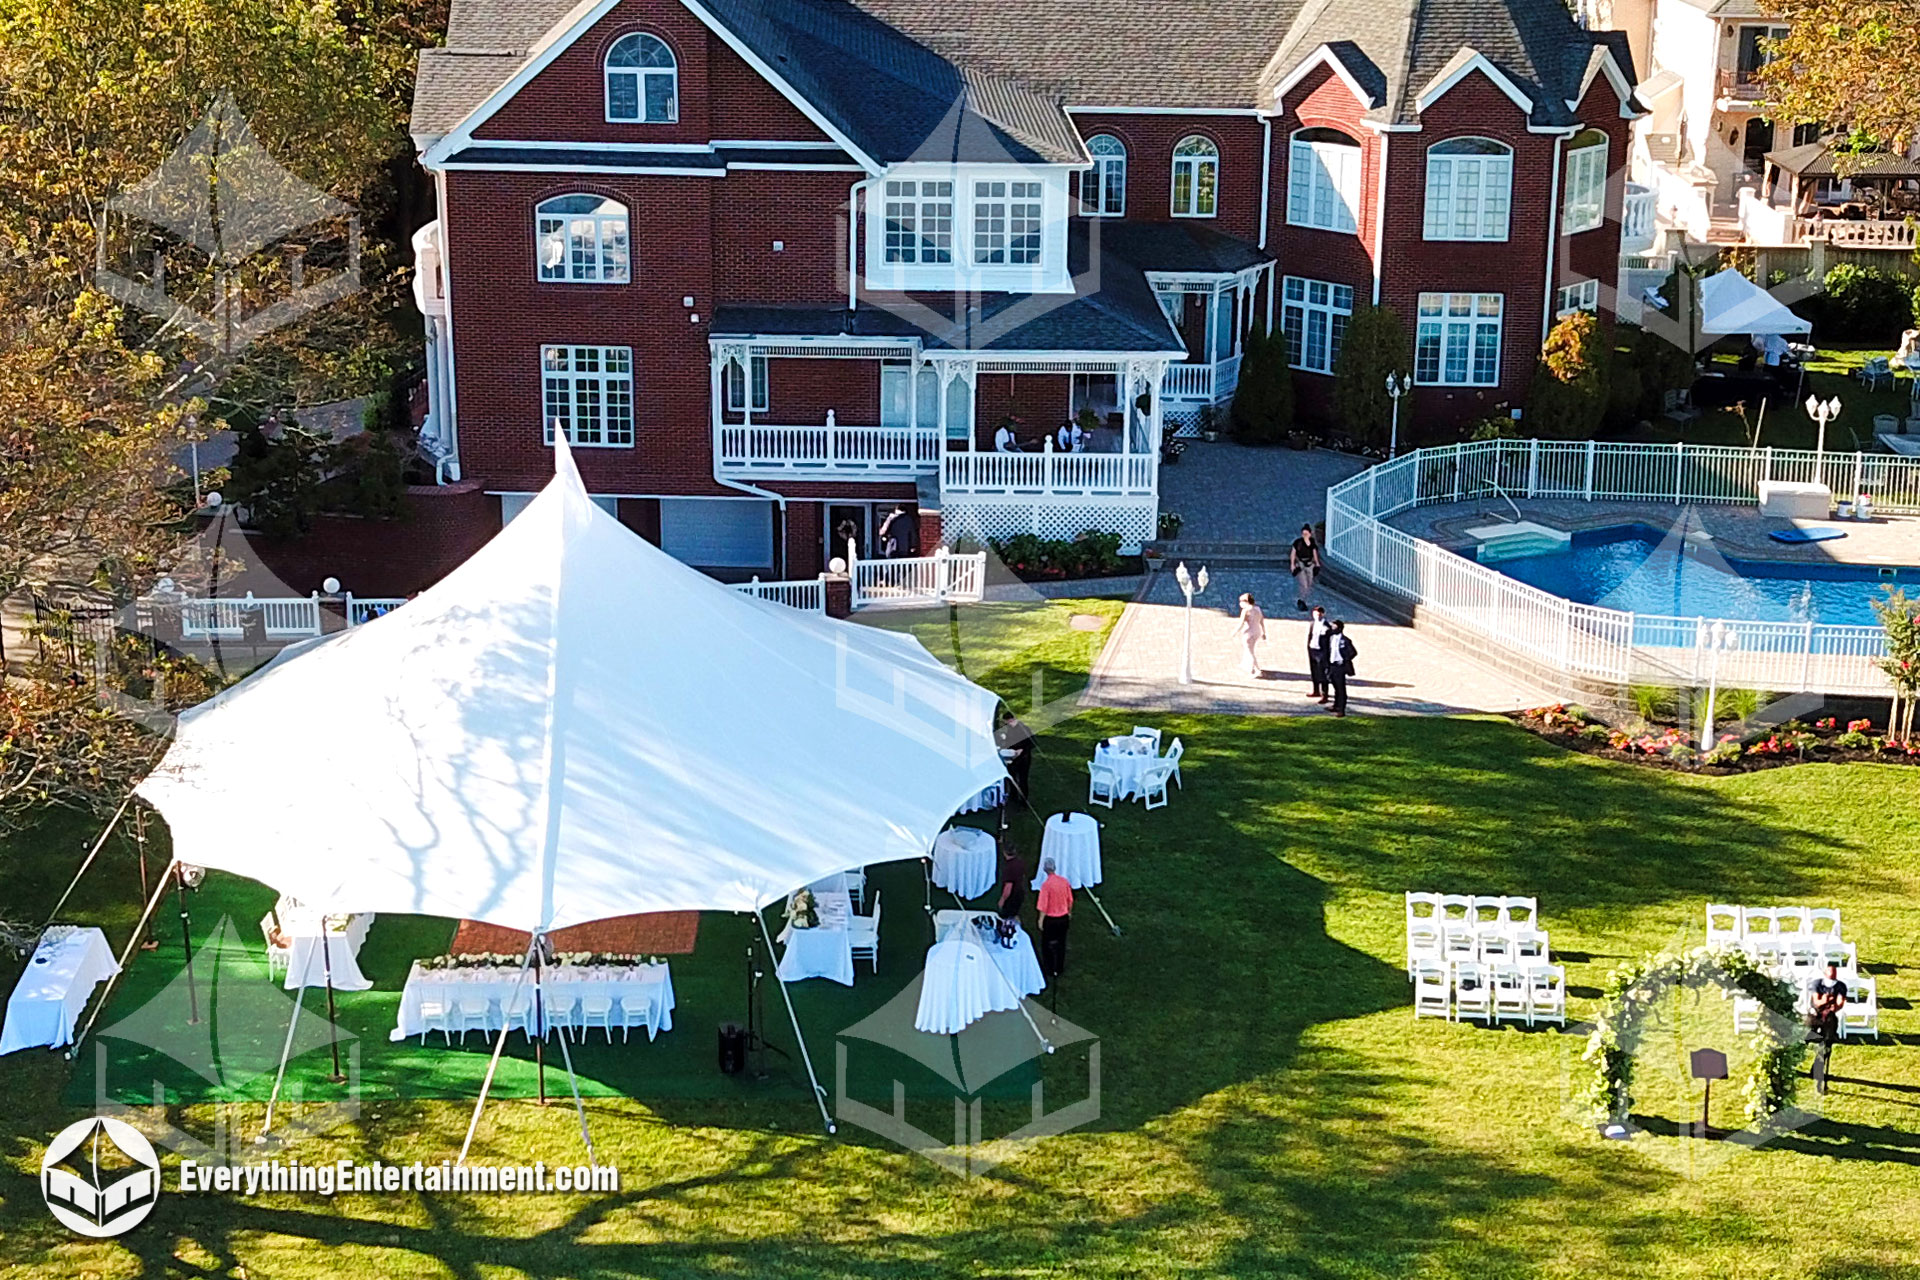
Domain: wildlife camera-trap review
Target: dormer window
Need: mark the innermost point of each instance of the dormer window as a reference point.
(1006, 223)
(1469, 189)
(1196, 178)
(1103, 188)
(582, 239)
(1323, 180)
(643, 81)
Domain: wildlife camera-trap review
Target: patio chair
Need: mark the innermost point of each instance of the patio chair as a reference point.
(1151, 735)
(1174, 752)
(476, 1014)
(1547, 995)
(433, 1017)
(636, 1011)
(866, 935)
(596, 1011)
(1103, 785)
(1153, 782)
(1723, 924)
(1472, 992)
(1874, 372)
(1861, 1017)
(1432, 993)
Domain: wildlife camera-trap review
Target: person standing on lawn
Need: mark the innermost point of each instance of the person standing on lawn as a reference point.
(1056, 913)
(1317, 634)
(1304, 563)
(1828, 999)
(1252, 629)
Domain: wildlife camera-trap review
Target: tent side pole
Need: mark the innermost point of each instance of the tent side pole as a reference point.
(88, 860)
(299, 1000)
(573, 1081)
(493, 1064)
(819, 1094)
(140, 927)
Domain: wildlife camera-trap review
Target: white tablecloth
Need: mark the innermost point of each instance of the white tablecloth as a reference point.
(964, 861)
(967, 978)
(652, 983)
(308, 962)
(990, 798)
(1072, 840)
(1128, 757)
(822, 952)
(54, 989)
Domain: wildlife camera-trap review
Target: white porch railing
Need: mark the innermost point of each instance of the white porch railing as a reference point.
(1589, 641)
(1636, 219)
(941, 578)
(1050, 474)
(809, 595)
(1207, 383)
(280, 618)
(828, 450)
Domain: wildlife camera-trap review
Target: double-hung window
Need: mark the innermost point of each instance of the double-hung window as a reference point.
(587, 392)
(1196, 178)
(918, 222)
(1457, 340)
(1103, 188)
(1314, 316)
(643, 81)
(1585, 206)
(1584, 296)
(747, 388)
(582, 239)
(1323, 180)
(1469, 189)
(1006, 223)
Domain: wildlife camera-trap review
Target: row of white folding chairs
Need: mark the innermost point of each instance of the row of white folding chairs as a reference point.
(1790, 957)
(1522, 946)
(1861, 1017)
(1491, 993)
(1729, 923)
(1459, 908)
(570, 1015)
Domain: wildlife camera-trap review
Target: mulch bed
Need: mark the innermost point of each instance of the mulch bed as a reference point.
(1767, 749)
(658, 933)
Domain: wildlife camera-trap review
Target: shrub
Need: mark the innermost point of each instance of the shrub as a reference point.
(1596, 733)
(1740, 704)
(277, 479)
(1497, 427)
(1724, 753)
(1651, 701)
(1854, 740)
(1262, 411)
(1569, 393)
(1681, 753)
(1375, 346)
(1862, 303)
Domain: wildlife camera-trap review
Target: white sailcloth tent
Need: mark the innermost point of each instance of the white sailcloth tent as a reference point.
(1731, 303)
(574, 726)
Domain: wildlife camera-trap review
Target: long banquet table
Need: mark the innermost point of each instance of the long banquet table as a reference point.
(623, 984)
(55, 987)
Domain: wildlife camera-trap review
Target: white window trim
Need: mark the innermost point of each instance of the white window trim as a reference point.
(1586, 165)
(1307, 308)
(1451, 165)
(737, 380)
(1028, 196)
(572, 378)
(1049, 275)
(1583, 296)
(920, 201)
(1193, 162)
(1105, 163)
(601, 222)
(1472, 323)
(1346, 196)
(640, 74)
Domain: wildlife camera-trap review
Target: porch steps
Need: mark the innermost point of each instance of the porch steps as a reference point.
(1244, 555)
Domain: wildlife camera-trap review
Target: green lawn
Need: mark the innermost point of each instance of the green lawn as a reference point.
(1832, 372)
(1269, 1106)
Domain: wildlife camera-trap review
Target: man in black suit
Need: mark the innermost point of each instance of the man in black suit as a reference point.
(1317, 635)
(1341, 652)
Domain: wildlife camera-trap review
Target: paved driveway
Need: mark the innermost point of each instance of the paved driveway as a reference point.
(1229, 493)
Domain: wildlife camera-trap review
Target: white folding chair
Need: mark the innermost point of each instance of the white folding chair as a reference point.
(1153, 782)
(476, 1014)
(636, 1011)
(1861, 1017)
(1432, 992)
(1769, 953)
(1790, 922)
(1802, 956)
(433, 1017)
(596, 1011)
(1472, 992)
(1151, 735)
(1511, 998)
(1423, 948)
(1456, 908)
(1547, 995)
(1723, 924)
(1422, 906)
(866, 935)
(1487, 910)
(516, 1011)
(1746, 1014)
(1460, 942)
(1496, 947)
(1423, 928)
(1756, 922)
(1843, 954)
(1530, 947)
(1824, 922)
(278, 958)
(1524, 912)
(559, 1012)
(1172, 757)
(1103, 785)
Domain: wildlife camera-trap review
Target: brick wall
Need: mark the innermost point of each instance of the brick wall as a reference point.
(1150, 141)
(439, 528)
(1040, 400)
(1595, 255)
(1323, 101)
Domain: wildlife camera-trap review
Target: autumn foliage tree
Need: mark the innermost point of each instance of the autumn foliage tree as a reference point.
(1569, 395)
(1849, 63)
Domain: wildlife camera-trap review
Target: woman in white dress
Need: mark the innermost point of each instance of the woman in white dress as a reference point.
(1252, 629)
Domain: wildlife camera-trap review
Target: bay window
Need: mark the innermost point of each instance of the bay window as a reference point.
(1469, 189)
(587, 392)
(1457, 340)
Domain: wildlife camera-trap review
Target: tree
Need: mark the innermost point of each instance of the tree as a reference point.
(1900, 618)
(1262, 411)
(1569, 395)
(1375, 346)
(1849, 63)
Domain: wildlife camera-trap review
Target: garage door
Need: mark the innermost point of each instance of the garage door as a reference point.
(717, 533)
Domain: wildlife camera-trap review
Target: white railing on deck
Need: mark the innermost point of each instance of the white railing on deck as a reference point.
(809, 595)
(1051, 474)
(280, 618)
(941, 578)
(828, 449)
(1863, 235)
(1188, 382)
(1590, 641)
(1636, 219)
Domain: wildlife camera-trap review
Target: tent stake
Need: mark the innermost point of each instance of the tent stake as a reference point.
(819, 1094)
(493, 1064)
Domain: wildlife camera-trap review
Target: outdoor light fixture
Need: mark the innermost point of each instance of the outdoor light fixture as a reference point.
(1189, 588)
(1398, 384)
(331, 586)
(1822, 412)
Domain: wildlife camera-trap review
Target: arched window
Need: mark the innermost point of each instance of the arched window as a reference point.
(582, 239)
(1585, 206)
(643, 81)
(1103, 188)
(1469, 189)
(1323, 180)
(1196, 178)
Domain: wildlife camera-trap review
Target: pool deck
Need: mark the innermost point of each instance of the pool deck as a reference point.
(1740, 532)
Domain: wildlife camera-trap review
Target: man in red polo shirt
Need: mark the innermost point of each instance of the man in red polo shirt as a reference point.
(1056, 911)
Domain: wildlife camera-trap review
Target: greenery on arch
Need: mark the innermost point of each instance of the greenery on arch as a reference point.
(1633, 992)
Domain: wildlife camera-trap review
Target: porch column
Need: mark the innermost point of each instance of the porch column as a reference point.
(717, 368)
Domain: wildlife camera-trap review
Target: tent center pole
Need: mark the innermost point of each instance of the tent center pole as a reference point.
(186, 943)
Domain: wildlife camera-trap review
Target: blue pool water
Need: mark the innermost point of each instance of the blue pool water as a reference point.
(1644, 570)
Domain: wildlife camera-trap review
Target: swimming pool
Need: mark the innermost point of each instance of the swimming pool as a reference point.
(1645, 570)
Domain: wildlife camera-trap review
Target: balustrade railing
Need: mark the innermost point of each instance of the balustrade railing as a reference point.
(1637, 219)
(941, 578)
(809, 595)
(1051, 474)
(267, 617)
(828, 449)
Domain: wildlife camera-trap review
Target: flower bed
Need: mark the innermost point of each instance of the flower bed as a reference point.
(1671, 747)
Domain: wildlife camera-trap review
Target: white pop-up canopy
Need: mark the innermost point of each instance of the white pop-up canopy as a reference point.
(1731, 303)
(572, 726)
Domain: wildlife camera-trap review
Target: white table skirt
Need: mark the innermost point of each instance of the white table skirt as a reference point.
(1073, 842)
(990, 798)
(54, 988)
(652, 984)
(966, 978)
(307, 961)
(1128, 757)
(1019, 963)
(820, 952)
(964, 861)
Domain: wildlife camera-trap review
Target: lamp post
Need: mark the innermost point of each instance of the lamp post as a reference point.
(1822, 412)
(1718, 637)
(1189, 588)
(1398, 384)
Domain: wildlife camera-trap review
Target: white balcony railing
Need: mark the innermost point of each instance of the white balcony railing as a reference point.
(809, 595)
(1050, 474)
(1636, 219)
(877, 452)
(1864, 235)
(270, 617)
(941, 578)
(1205, 383)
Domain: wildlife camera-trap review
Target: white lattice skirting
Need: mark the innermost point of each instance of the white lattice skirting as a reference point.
(1134, 523)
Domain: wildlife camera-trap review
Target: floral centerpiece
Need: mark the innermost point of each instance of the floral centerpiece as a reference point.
(802, 911)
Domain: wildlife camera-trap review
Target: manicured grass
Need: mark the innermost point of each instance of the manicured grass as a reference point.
(1832, 372)
(1269, 1106)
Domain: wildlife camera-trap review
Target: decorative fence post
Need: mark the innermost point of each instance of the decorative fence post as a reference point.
(1459, 465)
(1679, 470)
(1533, 466)
(1766, 466)
(1859, 465)
(1589, 484)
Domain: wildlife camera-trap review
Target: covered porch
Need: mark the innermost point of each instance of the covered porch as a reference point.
(1212, 312)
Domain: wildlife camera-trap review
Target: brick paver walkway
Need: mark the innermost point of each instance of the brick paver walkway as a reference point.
(1226, 493)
